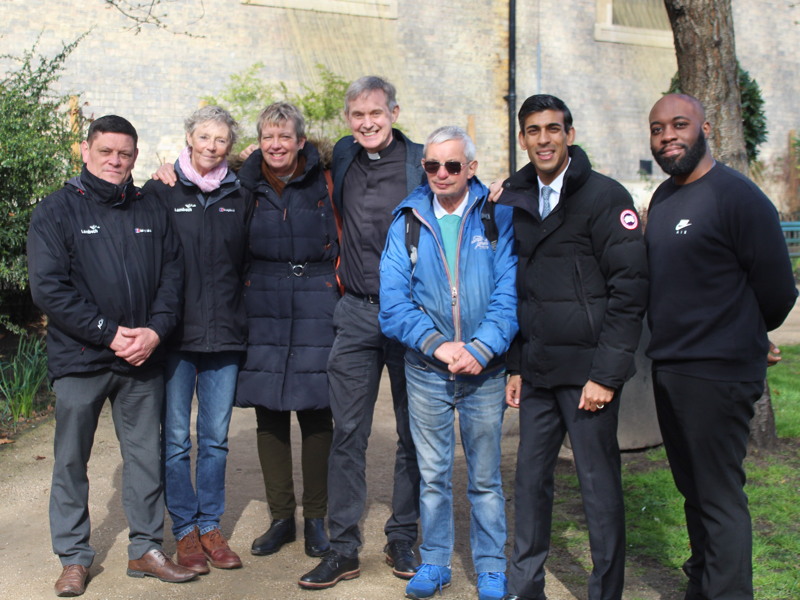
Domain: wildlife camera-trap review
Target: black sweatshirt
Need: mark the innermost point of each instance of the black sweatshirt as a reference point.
(720, 277)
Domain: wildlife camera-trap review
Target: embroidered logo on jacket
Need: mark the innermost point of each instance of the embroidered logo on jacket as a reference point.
(186, 207)
(221, 209)
(140, 230)
(92, 229)
(479, 242)
(680, 228)
(629, 219)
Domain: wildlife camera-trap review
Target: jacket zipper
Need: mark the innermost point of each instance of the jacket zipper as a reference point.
(452, 282)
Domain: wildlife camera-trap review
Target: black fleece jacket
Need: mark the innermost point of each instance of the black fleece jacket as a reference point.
(101, 256)
(213, 230)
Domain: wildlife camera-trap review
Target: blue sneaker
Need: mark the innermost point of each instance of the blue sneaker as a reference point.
(427, 580)
(492, 585)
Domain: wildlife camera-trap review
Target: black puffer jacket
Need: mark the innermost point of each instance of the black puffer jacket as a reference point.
(101, 256)
(214, 241)
(581, 279)
(289, 310)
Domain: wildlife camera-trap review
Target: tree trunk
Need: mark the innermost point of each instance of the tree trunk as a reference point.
(762, 427)
(706, 53)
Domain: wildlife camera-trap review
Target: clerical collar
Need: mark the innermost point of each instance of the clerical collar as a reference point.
(385, 152)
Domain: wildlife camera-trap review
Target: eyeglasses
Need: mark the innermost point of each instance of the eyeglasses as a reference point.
(453, 166)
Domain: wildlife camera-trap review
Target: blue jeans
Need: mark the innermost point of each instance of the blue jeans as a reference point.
(214, 376)
(480, 401)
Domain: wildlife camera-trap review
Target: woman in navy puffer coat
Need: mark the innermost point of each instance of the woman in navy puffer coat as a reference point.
(290, 294)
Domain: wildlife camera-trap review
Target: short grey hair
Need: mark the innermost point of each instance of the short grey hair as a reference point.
(367, 84)
(213, 113)
(451, 132)
(278, 112)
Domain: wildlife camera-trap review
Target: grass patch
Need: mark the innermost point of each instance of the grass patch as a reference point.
(784, 385)
(656, 527)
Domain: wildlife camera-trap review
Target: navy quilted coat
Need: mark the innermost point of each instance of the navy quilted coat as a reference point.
(290, 290)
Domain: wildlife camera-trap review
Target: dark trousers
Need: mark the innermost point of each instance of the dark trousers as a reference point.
(275, 454)
(545, 416)
(705, 425)
(357, 358)
(136, 402)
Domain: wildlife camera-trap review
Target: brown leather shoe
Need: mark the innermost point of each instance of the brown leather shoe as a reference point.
(218, 552)
(72, 581)
(190, 553)
(154, 563)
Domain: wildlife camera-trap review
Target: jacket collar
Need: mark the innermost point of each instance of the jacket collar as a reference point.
(252, 178)
(421, 199)
(102, 191)
(524, 184)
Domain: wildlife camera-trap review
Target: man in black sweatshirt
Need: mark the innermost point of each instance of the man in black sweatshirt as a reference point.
(720, 278)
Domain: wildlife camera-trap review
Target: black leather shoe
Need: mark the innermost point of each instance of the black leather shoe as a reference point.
(331, 570)
(280, 532)
(400, 556)
(317, 543)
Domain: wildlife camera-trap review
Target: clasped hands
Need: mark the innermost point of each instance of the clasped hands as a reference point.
(134, 345)
(458, 359)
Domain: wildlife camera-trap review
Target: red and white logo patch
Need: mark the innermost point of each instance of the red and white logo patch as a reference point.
(629, 219)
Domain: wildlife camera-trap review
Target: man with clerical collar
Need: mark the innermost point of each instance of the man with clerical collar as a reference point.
(721, 278)
(449, 298)
(373, 170)
(107, 270)
(582, 291)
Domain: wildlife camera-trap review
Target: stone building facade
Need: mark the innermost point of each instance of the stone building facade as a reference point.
(608, 59)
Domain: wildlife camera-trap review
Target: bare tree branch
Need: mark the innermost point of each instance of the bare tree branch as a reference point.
(151, 13)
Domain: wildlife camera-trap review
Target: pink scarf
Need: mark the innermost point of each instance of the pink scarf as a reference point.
(208, 183)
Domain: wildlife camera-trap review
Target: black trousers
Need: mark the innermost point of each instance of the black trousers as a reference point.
(545, 416)
(705, 425)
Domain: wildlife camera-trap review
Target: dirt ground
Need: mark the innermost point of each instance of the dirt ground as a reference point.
(28, 569)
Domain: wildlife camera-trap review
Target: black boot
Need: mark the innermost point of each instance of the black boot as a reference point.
(317, 543)
(280, 532)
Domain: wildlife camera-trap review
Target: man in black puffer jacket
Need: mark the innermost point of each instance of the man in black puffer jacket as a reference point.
(582, 290)
(107, 270)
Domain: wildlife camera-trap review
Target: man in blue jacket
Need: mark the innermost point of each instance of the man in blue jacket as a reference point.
(720, 279)
(107, 270)
(449, 298)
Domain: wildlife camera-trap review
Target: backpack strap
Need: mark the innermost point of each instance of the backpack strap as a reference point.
(489, 224)
(412, 235)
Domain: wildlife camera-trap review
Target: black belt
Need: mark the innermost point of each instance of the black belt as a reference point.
(288, 269)
(369, 298)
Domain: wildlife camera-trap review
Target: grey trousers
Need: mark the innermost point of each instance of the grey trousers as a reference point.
(357, 358)
(136, 402)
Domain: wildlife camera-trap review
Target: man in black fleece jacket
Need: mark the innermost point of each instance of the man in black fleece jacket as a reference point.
(720, 278)
(107, 270)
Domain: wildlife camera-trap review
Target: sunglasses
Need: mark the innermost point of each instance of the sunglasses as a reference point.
(453, 166)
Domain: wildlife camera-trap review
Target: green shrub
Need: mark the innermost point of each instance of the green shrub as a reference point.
(22, 377)
(247, 94)
(36, 157)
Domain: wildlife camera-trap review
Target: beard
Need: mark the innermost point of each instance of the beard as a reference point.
(685, 164)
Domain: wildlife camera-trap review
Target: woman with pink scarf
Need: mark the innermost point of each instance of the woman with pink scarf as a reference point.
(210, 211)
